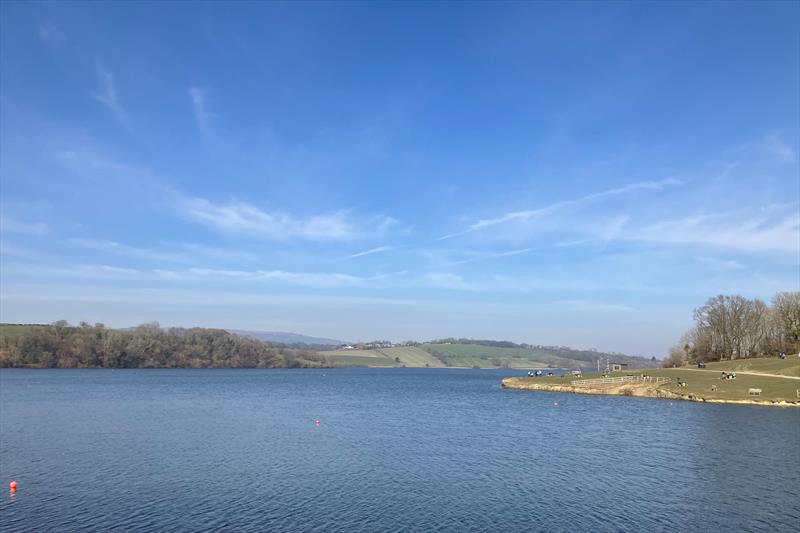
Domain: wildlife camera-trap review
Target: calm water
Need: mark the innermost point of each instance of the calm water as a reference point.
(397, 450)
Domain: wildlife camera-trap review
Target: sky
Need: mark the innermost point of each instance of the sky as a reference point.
(577, 174)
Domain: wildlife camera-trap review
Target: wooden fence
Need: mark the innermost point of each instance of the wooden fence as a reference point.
(620, 379)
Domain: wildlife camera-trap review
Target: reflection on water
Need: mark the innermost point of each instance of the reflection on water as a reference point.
(395, 450)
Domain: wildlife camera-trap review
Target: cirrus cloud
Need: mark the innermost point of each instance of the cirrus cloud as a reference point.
(241, 218)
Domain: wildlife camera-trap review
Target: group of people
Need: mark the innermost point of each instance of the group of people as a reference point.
(728, 375)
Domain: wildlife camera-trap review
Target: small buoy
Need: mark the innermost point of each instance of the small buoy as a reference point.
(12, 485)
(555, 403)
(317, 422)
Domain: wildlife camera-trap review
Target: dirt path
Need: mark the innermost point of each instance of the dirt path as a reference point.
(743, 372)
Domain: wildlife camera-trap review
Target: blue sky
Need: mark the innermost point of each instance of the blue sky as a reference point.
(573, 174)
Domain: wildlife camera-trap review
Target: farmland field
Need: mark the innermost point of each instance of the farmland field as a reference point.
(15, 330)
(472, 355)
(408, 356)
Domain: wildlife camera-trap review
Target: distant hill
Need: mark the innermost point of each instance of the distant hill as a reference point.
(20, 346)
(488, 354)
(282, 337)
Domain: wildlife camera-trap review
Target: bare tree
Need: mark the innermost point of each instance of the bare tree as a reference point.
(729, 327)
(753, 327)
(787, 311)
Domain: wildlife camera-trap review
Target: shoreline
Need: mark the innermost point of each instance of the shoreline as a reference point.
(639, 390)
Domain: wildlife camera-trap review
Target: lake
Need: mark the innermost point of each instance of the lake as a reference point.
(395, 450)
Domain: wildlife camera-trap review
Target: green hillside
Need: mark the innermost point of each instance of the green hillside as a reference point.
(766, 365)
(409, 356)
(469, 355)
(472, 355)
(485, 356)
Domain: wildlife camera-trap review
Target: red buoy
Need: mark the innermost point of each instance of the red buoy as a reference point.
(317, 421)
(12, 485)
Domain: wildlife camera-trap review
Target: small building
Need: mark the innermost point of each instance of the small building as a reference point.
(618, 367)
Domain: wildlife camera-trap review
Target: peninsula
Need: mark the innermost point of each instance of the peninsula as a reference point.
(758, 381)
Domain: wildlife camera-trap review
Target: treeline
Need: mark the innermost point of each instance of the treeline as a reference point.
(148, 346)
(734, 327)
(479, 342)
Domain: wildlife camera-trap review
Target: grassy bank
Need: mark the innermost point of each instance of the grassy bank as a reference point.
(701, 385)
(767, 365)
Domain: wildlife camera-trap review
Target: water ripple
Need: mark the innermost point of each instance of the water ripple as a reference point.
(397, 451)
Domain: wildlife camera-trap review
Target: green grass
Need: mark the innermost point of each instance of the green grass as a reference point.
(471, 355)
(357, 360)
(769, 365)
(15, 330)
(409, 356)
(700, 384)
(412, 356)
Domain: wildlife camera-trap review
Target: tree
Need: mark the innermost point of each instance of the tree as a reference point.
(787, 319)
(730, 327)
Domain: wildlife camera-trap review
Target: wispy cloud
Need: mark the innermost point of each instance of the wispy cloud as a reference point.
(497, 255)
(202, 116)
(241, 218)
(50, 34)
(727, 230)
(371, 251)
(80, 271)
(116, 248)
(170, 252)
(197, 275)
(720, 264)
(232, 217)
(106, 94)
(218, 253)
(281, 277)
(777, 147)
(450, 280)
(536, 214)
(108, 270)
(590, 305)
(501, 283)
(11, 225)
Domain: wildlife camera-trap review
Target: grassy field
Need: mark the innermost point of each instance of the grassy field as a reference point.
(15, 330)
(455, 355)
(769, 365)
(472, 355)
(700, 383)
(409, 356)
(459, 355)
(412, 356)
